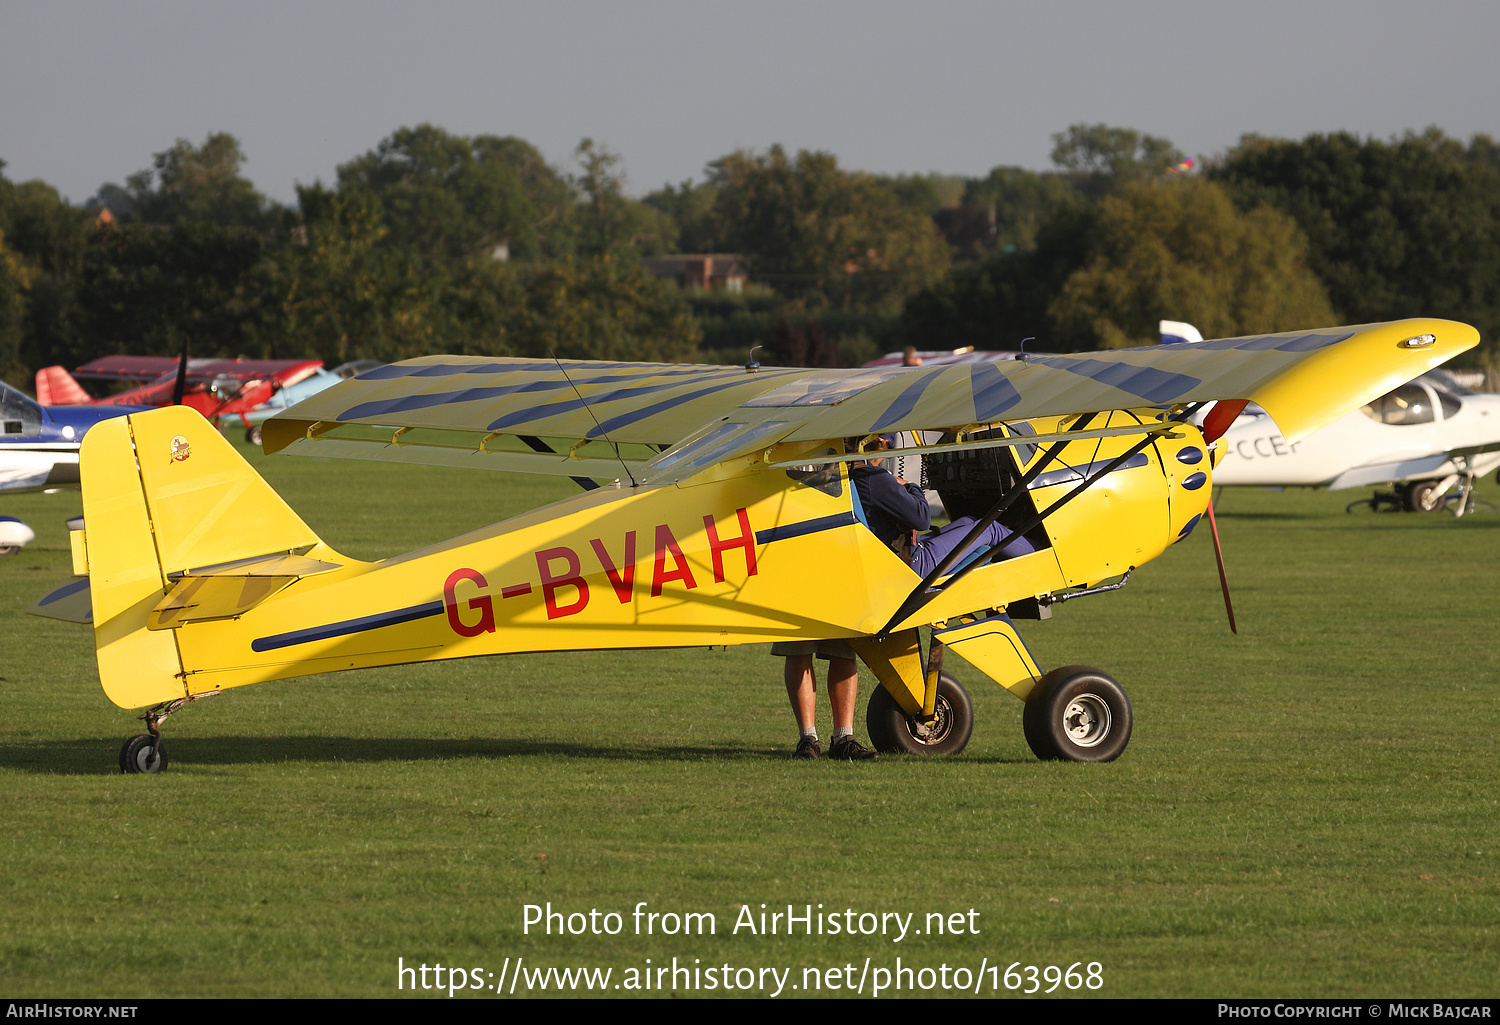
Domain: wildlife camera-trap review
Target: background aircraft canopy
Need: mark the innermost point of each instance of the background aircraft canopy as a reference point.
(19, 415)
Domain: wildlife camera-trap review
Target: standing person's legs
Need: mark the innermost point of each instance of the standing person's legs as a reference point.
(802, 689)
(802, 692)
(843, 690)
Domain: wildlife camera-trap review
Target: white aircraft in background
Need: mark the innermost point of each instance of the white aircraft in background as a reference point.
(1425, 438)
(39, 451)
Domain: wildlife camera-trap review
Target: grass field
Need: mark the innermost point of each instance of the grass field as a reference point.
(1307, 809)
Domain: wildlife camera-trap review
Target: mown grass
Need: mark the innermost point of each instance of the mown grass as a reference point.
(1306, 809)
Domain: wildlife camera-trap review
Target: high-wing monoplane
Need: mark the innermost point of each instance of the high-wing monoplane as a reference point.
(1426, 437)
(717, 510)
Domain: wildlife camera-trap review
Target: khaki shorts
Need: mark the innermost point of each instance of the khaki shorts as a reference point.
(822, 649)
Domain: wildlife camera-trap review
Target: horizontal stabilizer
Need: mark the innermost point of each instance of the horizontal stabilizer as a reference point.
(71, 603)
(197, 599)
(230, 589)
(277, 564)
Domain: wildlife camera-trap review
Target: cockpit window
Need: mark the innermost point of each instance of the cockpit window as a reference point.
(1441, 381)
(19, 415)
(1408, 404)
(1448, 391)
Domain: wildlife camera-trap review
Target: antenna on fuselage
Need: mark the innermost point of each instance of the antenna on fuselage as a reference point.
(624, 465)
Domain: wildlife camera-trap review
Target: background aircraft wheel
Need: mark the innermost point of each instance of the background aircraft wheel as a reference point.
(137, 756)
(252, 434)
(9, 549)
(1423, 496)
(892, 731)
(1077, 714)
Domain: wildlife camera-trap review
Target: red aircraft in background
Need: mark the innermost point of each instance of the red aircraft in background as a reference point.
(214, 387)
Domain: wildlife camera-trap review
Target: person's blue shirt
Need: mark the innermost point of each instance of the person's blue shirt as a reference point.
(891, 509)
(894, 510)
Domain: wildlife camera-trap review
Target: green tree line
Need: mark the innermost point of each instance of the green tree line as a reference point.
(434, 242)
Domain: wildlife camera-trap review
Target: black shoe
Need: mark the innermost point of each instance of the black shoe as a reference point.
(808, 747)
(847, 749)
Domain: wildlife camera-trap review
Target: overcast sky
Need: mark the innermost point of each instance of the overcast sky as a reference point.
(89, 90)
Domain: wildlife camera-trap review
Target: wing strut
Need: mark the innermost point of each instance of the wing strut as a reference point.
(928, 589)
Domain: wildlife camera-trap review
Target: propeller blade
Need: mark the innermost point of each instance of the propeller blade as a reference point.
(1223, 580)
(1221, 417)
(181, 385)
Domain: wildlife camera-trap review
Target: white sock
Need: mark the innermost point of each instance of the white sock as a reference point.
(842, 731)
(810, 732)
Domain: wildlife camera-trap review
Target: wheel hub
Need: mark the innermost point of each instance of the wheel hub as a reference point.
(1086, 720)
(936, 731)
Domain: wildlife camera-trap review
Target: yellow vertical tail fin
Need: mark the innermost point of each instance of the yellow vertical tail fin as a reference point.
(164, 493)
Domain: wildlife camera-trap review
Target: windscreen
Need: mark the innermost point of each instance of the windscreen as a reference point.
(19, 415)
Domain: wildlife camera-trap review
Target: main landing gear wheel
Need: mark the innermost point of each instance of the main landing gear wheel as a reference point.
(1424, 496)
(143, 753)
(1077, 714)
(252, 435)
(892, 730)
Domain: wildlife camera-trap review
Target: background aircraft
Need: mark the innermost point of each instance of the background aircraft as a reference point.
(1424, 437)
(944, 357)
(39, 450)
(289, 395)
(214, 387)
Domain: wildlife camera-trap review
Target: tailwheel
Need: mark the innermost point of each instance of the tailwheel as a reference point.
(143, 753)
(892, 730)
(1077, 714)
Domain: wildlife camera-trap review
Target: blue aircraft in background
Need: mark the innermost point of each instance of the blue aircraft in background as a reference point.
(39, 450)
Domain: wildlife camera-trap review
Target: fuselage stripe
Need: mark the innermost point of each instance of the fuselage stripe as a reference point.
(792, 530)
(348, 626)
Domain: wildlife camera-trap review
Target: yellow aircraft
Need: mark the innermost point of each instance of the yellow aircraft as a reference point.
(717, 509)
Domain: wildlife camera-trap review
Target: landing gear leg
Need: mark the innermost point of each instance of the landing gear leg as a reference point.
(146, 752)
(1466, 502)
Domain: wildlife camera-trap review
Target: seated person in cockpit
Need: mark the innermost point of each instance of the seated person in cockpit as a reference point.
(895, 508)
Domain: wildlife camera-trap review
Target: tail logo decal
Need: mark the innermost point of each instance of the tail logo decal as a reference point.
(180, 449)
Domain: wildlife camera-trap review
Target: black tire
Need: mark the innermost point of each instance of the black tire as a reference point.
(1077, 714)
(1423, 496)
(137, 755)
(892, 731)
(252, 435)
